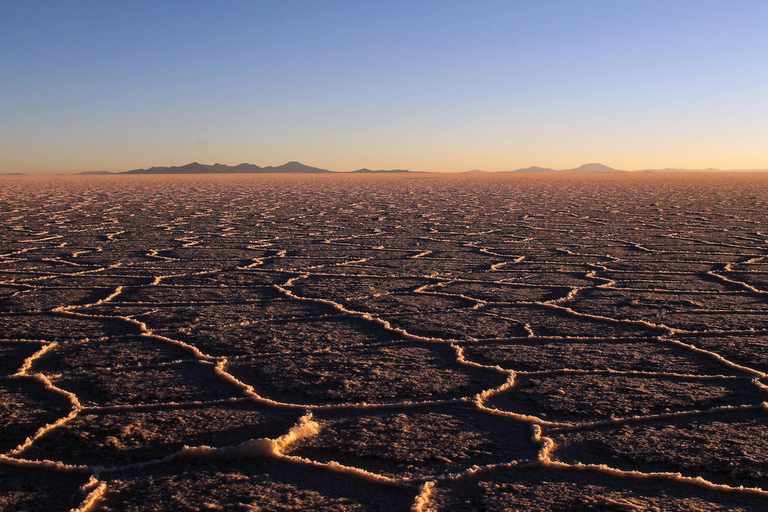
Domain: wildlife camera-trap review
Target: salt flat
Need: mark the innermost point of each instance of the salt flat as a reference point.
(423, 342)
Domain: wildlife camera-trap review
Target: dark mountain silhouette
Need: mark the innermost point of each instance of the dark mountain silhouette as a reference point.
(294, 167)
(198, 168)
(533, 168)
(595, 167)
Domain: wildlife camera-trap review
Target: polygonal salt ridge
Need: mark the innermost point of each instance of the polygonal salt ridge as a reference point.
(492, 292)
(27, 406)
(228, 484)
(417, 442)
(385, 374)
(583, 396)
(745, 349)
(723, 445)
(111, 353)
(403, 303)
(549, 354)
(15, 353)
(121, 436)
(173, 383)
(529, 486)
(346, 287)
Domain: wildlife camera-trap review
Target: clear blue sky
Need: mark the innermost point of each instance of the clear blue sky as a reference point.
(434, 85)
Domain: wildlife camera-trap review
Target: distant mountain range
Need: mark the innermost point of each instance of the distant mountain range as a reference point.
(298, 167)
(198, 168)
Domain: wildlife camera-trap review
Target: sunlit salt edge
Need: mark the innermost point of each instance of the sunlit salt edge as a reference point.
(548, 445)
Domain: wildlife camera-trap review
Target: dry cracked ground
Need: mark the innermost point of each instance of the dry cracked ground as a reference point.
(422, 342)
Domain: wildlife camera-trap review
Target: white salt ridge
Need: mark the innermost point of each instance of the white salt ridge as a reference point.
(95, 490)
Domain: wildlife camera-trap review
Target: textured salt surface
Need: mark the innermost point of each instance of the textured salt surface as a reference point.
(384, 343)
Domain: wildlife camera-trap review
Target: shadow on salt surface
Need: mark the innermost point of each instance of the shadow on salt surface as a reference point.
(421, 442)
(458, 325)
(117, 438)
(402, 372)
(585, 397)
(26, 489)
(268, 485)
(43, 299)
(538, 488)
(25, 406)
(56, 327)
(695, 312)
(538, 355)
(82, 356)
(750, 350)
(12, 355)
(170, 295)
(727, 447)
(182, 382)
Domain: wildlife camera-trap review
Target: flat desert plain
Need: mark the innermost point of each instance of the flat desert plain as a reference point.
(416, 341)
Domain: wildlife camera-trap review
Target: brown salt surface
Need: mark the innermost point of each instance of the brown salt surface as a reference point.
(117, 438)
(727, 447)
(696, 312)
(344, 287)
(268, 485)
(416, 443)
(492, 292)
(82, 356)
(178, 294)
(403, 372)
(183, 382)
(228, 278)
(224, 254)
(406, 303)
(458, 325)
(536, 488)
(431, 266)
(755, 278)
(585, 397)
(27, 489)
(540, 275)
(552, 321)
(538, 355)
(44, 299)
(672, 282)
(100, 280)
(25, 406)
(282, 336)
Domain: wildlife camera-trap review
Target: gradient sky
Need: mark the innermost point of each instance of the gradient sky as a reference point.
(431, 85)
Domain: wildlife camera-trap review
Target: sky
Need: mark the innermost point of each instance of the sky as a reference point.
(426, 85)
